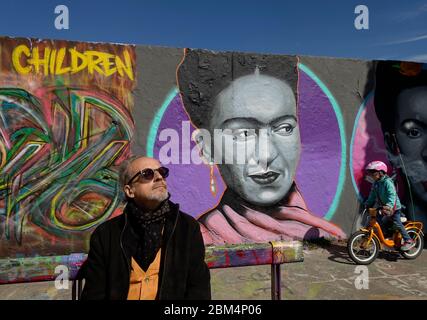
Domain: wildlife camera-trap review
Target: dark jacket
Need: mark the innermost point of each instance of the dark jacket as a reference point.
(183, 271)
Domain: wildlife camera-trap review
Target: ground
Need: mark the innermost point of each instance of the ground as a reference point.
(326, 273)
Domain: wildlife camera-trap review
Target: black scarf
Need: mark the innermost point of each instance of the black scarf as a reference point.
(148, 226)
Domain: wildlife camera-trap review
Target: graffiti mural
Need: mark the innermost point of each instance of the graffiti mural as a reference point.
(260, 147)
(65, 125)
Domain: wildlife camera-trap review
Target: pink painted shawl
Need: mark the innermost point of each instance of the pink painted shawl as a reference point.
(233, 221)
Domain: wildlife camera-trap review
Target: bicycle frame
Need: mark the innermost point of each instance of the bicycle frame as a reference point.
(375, 230)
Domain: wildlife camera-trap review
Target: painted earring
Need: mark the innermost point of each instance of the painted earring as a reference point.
(212, 179)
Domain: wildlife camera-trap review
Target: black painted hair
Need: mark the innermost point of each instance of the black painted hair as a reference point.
(391, 78)
(204, 74)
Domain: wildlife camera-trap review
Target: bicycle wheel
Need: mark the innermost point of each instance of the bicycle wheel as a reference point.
(417, 249)
(361, 252)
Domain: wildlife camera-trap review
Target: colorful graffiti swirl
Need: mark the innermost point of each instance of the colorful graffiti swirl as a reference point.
(57, 154)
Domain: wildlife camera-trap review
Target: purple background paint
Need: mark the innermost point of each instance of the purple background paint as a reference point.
(318, 171)
(188, 184)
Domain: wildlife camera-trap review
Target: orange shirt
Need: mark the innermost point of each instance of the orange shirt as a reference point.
(144, 284)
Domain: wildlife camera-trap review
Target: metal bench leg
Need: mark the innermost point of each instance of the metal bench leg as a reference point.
(73, 290)
(79, 289)
(275, 282)
(76, 289)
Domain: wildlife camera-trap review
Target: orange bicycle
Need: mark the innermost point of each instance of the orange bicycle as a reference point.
(364, 245)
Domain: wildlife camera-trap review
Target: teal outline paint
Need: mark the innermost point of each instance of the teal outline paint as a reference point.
(356, 122)
(152, 134)
(341, 126)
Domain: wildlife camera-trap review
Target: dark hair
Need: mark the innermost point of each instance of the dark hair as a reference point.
(124, 173)
(391, 78)
(204, 74)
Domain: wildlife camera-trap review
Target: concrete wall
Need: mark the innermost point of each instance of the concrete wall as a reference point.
(70, 115)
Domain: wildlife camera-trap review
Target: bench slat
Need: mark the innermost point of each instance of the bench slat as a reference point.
(226, 256)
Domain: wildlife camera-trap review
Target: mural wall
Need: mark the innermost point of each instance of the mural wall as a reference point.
(65, 124)
(259, 147)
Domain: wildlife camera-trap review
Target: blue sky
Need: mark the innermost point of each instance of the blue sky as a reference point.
(398, 29)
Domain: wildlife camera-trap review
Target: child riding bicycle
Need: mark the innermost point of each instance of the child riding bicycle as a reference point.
(383, 195)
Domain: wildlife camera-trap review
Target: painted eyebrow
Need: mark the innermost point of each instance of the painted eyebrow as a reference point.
(417, 122)
(231, 123)
(280, 119)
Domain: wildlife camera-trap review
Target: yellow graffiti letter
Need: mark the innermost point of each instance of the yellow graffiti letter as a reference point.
(52, 61)
(37, 62)
(107, 63)
(92, 63)
(75, 56)
(16, 57)
(59, 60)
(127, 66)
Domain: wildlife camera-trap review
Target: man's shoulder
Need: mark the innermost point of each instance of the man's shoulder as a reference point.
(187, 218)
(110, 224)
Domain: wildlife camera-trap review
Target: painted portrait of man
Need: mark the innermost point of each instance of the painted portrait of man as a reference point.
(401, 107)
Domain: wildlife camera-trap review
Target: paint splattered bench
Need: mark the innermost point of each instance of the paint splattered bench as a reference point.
(227, 256)
(274, 253)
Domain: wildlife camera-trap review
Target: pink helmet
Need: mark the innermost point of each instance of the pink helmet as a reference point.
(377, 165)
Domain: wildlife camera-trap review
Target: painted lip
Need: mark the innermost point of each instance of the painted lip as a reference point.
(264, 177)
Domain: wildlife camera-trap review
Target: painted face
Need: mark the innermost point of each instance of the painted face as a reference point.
(258, 114)
(411, 134)
(146, 193)
(372, 176)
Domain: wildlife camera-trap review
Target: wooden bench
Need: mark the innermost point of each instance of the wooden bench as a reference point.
(274, 253)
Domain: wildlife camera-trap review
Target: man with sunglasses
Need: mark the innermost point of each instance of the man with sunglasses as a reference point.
(152, 250)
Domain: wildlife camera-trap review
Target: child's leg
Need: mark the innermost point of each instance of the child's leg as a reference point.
(387, 224)
(399, 225)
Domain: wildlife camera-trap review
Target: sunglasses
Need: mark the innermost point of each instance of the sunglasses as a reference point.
(371, 171)
(148, 174)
